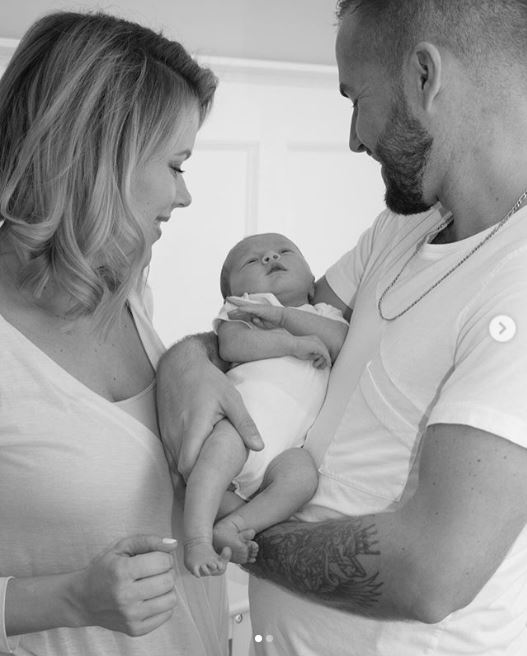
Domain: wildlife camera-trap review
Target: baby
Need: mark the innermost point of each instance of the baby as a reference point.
(281, 348)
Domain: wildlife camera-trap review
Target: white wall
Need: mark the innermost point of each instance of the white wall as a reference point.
(285, 30)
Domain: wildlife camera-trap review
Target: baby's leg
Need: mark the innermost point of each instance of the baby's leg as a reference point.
(221, 458)
(290, 481)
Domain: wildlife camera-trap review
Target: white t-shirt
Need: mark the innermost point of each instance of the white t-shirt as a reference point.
(435, 364)
(283, 396)
(77, 473)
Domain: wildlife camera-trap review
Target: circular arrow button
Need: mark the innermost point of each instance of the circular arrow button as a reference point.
(502, 328)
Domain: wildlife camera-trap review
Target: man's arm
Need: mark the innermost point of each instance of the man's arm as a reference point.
(429, 558)
(324, 294)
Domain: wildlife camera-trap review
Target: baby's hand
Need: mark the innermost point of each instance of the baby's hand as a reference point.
(311, 347)
(260, 314)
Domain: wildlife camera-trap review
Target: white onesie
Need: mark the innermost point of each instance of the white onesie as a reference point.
(283, 396)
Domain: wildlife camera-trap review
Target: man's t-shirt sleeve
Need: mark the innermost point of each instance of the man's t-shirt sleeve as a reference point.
(345, 275)
(487, 388)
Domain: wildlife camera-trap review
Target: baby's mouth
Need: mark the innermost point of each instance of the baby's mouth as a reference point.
(276, 267)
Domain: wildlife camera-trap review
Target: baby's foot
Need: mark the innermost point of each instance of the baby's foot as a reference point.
(228, 535)
(202, 560)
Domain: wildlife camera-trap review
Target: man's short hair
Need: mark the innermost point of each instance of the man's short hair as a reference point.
(479, 32)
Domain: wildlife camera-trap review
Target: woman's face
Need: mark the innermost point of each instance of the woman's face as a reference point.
(157, 185)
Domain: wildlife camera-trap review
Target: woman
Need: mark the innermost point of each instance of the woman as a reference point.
(97, 116)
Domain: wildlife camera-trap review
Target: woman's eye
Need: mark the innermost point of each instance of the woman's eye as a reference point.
(177, 169)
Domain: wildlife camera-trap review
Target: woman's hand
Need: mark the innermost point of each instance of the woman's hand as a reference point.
(192, 396)
(261, 315)
(130, 587)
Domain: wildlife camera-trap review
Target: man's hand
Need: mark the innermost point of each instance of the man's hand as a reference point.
(192, 396)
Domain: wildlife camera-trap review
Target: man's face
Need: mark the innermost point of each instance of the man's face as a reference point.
(382, 124)
(403, 149)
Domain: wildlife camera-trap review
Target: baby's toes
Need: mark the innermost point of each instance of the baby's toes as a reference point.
(203, 570)
(253, 552)
(247, 535)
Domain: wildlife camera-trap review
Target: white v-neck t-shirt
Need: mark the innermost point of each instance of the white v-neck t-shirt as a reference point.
(77, 473)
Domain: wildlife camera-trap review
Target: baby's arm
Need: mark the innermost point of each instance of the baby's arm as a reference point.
(330, 331)
(239, 342)
(297, 322)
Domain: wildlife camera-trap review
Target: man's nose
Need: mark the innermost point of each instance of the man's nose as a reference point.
(355, 143)
(270, 256)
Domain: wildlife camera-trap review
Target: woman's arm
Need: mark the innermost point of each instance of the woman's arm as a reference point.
(193, 395)
(128, 588)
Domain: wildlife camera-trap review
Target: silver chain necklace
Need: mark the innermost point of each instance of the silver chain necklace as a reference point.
(442, 226)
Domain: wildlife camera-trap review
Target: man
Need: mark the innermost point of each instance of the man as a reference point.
(415, 542)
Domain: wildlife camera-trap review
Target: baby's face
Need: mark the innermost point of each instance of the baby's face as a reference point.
(270, 263)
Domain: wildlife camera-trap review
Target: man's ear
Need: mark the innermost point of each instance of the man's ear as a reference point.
(425, 70)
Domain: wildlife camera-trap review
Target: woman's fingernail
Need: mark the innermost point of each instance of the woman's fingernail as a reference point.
(169, 541)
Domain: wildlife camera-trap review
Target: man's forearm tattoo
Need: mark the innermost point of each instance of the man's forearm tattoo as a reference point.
(324, 560)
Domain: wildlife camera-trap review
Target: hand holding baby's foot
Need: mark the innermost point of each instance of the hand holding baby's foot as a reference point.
(227, 534)
(202, 560)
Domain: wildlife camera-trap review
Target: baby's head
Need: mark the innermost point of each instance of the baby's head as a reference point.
(268, 263)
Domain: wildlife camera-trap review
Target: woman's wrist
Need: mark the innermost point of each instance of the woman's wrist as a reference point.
(43, 602)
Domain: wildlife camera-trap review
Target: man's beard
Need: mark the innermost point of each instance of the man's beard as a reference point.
(403, 149)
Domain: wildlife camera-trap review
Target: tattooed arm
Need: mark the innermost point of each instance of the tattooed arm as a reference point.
(326, 560)
(427, 559)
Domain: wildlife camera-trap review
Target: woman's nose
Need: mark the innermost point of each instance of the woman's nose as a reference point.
(270, 256)
(183, 197)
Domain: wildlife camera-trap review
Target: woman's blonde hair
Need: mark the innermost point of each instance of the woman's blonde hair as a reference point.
(84, 100)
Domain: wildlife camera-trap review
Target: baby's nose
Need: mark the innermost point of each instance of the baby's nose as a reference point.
(270, 256)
